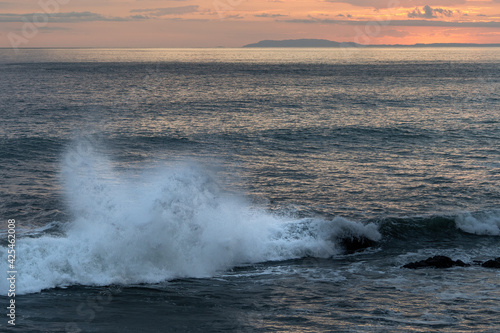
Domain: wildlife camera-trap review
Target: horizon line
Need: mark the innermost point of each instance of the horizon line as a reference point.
(437, 45)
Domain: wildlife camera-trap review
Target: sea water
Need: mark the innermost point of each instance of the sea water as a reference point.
(208, 190)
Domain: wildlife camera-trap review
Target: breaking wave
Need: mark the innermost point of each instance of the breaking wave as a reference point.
(171, 223)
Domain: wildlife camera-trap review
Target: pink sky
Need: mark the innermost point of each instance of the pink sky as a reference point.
(233, 23)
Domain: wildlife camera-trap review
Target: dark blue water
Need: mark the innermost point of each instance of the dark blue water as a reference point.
(210, 190)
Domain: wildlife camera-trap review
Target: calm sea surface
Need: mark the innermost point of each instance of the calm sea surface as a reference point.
(210, 190)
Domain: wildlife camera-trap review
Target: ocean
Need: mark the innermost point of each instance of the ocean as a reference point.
(213, 190)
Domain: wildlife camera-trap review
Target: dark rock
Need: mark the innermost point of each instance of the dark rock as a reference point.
(436, 262)
(460, 263)
(494, 263)
(354, 244)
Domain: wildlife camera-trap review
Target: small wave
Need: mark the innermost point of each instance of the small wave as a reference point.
(480, 223)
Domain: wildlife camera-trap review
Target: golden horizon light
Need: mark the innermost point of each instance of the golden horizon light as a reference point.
(234, 23)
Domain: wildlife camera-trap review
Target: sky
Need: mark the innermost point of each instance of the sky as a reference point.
(234, 23)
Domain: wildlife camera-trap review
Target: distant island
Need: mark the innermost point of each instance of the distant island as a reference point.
(329, 43)
(300, 43)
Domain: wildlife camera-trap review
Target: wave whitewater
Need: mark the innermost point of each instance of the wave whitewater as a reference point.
(172, 223)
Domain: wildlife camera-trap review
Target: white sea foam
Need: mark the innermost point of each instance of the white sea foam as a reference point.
(175, 222)
(481, 223)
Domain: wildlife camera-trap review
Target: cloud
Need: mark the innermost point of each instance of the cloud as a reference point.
(139, 17)
(234, 17)
(70, 17)
(399, 23)
(378, 4)
(394, 33)
(430, 13)
(269, 15)
(51, 29)
(155, 12)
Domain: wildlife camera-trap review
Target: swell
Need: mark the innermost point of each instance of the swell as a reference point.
(483, 223)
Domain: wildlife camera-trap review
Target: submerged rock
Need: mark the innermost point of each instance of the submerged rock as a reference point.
(436, 262)
(446, 262)
(355, 244)
(493, 263)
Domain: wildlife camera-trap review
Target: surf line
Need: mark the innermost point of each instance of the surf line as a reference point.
(11, 251)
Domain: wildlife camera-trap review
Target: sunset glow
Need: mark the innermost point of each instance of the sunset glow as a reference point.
(234, 23)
